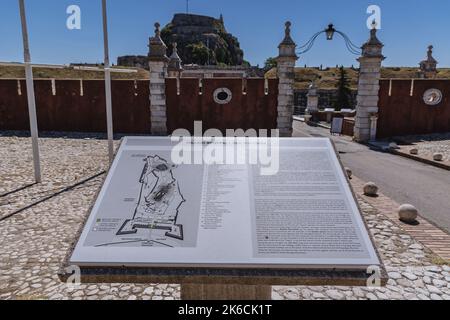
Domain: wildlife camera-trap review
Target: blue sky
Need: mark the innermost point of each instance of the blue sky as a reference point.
(408, 27)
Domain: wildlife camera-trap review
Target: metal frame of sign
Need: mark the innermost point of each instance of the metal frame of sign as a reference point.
(225, 276)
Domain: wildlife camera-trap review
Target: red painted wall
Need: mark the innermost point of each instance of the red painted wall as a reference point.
(402, 114)
(253, 110)
(67, 110)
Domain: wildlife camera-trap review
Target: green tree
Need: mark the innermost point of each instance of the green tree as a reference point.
(222, 56)
(270, 64)
(199, 53)
(344, 92)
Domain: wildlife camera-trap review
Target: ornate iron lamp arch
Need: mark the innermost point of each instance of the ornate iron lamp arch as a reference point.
(330, 31)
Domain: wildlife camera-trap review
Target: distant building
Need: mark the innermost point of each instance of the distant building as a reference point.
(196, 71)
(428, 67)
(133, 62)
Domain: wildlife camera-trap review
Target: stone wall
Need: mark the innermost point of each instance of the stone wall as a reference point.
(403, 110)
(187, 102)
(76, 106)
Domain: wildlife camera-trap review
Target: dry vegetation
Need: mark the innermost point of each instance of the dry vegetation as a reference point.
(15, 72)
(327, 78)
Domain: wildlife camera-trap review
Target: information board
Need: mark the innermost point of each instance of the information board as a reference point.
(337, 125)
(153, 211)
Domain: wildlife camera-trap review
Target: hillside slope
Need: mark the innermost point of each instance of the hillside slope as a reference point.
(327, 78)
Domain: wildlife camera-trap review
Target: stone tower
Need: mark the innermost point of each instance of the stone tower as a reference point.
(368, 88)
(158, 63)
(175, 64)
(286, 75)
(428, 67)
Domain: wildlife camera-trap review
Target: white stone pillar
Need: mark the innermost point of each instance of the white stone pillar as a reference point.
(368, 87)
(312, 104)
(373, 127)
(286, 76)
(158, 63)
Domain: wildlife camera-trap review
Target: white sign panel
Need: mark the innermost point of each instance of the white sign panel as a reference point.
(154, 212)
(337, 125)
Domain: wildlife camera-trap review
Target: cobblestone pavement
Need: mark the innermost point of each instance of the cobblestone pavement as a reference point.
(35, 241)
(428, 145)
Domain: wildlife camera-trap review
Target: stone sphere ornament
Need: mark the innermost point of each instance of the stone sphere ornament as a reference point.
(393, 145)
(438, 157)
(349, 172)
(370, 189)
(407, 213)
(414, 151)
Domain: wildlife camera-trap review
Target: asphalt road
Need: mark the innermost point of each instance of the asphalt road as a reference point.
(403, 180)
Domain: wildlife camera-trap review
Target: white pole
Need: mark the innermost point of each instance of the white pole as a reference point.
(109, 119)
(30, 94)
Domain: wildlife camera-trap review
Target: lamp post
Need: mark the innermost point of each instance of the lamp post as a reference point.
(30, 94)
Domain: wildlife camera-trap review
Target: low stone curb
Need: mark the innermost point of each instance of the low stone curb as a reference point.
(429, 235)
(441, 165)
(296, 118)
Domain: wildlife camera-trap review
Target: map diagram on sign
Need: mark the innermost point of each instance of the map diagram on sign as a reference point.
(155, 218)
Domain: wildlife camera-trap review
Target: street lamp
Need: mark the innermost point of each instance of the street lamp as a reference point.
(330, 32)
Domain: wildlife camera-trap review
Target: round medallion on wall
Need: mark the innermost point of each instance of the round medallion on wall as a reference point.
(432, 97)
(223, 96)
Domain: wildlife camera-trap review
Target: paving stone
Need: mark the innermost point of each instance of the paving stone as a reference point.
(277, 296)
(427, 280)
(395, 275)
(434, 296)
(433, 289)
(335, 295)
(318, 295)
(410, 276)
(149, 291)
(411, 296)
(439, 283)
(92, 292)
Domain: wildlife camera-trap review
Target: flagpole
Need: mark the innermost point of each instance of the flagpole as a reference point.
(30, 94)
(109, 119)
